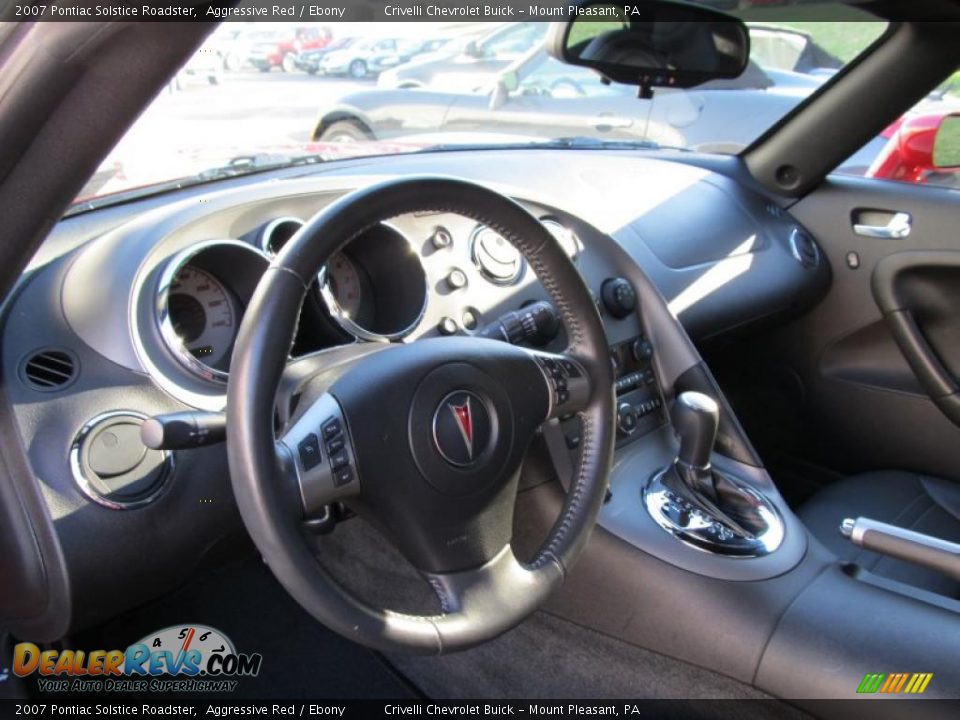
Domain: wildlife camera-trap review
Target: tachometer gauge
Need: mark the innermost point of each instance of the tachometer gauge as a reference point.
(345, 285)
(204, 316)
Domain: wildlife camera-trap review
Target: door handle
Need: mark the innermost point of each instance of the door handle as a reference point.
(898, 228)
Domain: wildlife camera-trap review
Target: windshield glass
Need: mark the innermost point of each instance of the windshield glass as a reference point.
(261, 95)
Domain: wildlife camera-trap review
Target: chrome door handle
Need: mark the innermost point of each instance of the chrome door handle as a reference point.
(898, 228)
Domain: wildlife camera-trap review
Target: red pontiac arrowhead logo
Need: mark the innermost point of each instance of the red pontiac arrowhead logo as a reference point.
(463, 428)
(464, 418)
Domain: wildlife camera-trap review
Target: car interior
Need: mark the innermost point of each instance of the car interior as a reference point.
(543, 422)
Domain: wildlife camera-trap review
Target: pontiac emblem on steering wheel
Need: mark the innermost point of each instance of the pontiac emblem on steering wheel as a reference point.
(461, 427)
(464, 418)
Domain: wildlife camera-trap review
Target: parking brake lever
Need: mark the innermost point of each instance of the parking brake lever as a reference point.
(939, 555)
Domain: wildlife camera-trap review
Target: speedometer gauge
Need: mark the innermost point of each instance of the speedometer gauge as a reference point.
(204, 316)
(201, 295)
(345, 285)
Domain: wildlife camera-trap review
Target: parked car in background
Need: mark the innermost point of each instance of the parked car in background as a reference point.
(309, 60)
(409, 50)
(205, 66)
(282, 47)
(360, 59)
(470, 63)
(541, 98)
(781, 48)
(229, 44)
(922, 147)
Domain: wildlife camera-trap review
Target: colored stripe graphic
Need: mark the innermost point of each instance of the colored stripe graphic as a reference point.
(894, 683)
(871, 682)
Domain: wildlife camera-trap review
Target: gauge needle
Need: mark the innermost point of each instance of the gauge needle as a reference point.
(186, 646)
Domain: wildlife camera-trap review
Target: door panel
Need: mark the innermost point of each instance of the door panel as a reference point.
(834, 387)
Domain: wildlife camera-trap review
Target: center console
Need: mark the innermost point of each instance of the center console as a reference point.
(671, 493)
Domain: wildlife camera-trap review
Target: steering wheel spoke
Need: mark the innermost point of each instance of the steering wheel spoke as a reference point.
(318, 451)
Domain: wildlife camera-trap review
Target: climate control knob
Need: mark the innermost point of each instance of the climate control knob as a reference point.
(642, 350)
(626, 419)
(618, 297)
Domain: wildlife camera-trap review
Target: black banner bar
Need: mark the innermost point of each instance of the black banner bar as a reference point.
(105, 706)
(334, 11)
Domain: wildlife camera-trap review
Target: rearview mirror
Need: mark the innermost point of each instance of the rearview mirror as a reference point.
(652, 44)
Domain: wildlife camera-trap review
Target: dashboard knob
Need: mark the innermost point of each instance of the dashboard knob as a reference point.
(447, 325)
(619, 297)
(642, 350)
(626, 419)
(441, 238)
(457, 279)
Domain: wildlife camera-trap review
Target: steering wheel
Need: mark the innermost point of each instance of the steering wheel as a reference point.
(423, 439)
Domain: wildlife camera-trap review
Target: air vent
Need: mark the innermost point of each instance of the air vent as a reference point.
(277, 232)
(49, 369)
(804, 248)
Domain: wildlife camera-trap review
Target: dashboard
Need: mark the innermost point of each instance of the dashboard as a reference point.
(133, 311)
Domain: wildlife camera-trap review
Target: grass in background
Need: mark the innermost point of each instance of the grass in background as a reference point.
(844, 40)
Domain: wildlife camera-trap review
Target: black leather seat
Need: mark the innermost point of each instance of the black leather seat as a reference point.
(918, 502)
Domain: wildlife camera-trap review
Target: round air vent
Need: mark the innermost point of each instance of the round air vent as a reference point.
(496, 259)
(804, 248)
(276, 233)
(49, 370)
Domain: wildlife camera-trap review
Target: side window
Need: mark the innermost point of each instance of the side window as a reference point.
(922, 147)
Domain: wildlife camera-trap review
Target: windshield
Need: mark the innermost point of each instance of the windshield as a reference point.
(262, 95)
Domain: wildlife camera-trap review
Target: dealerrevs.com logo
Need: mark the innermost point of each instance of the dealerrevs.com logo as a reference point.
(181, 658)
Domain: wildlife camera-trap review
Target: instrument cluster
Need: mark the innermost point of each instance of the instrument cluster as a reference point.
(397, 280)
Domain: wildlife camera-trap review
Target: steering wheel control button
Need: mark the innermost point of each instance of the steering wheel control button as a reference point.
(301, 451)
(113, 467)
(309, 451)
(566, 379)
(331, 428)
(457, 279)
(619, 297)
(462, 428)
(342, 476)
(339, 459)
(570, 368)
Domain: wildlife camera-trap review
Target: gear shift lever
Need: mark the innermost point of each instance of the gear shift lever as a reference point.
(695, 419)
(703, 505)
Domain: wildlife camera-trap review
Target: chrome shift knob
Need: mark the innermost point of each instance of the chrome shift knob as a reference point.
(695, 419)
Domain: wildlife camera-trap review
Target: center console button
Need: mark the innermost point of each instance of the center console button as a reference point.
(626, 419)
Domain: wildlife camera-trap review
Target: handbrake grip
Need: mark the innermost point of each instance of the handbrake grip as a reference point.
(939, 555)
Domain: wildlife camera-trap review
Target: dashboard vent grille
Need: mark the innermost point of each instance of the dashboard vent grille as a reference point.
(49, 369)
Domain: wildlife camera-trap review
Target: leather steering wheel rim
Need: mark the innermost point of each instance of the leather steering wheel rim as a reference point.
(479, 603)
